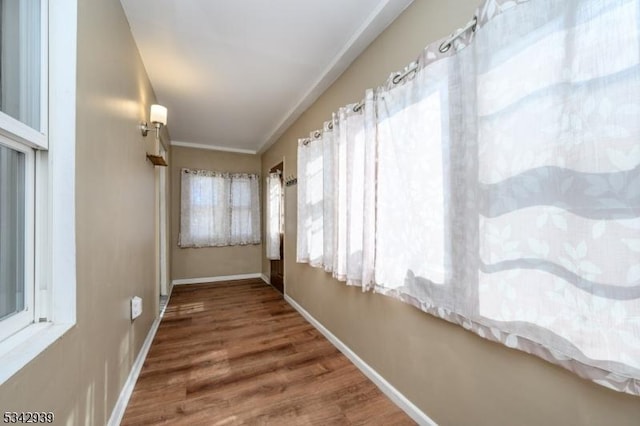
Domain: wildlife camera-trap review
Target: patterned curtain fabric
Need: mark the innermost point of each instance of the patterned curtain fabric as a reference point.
(219, 209)
(497, 184)
(274, 214)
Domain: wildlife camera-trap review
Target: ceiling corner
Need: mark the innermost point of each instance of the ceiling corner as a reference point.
(384, 14)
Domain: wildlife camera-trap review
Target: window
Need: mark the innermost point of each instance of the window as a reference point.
(219, 209)
(21, 59)
(505, 188)
(245, 211)
(16, 225)
(21, 105)
(37, 184)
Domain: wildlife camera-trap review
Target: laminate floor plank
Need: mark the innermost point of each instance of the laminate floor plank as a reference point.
(235, 353)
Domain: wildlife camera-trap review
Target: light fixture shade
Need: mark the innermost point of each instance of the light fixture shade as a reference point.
(158, 114)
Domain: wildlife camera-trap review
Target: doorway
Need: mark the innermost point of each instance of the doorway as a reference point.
(277, 266)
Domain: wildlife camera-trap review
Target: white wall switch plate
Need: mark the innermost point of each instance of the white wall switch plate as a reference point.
(136, 307)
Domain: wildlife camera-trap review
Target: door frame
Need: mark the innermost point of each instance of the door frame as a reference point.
(161, 206)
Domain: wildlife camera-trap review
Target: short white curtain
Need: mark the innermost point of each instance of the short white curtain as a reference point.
(245, 209)
(497, 186)
(334, 196)
(219, 209)
(274, 214)
(310, 233)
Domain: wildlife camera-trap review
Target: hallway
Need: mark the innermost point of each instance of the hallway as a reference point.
(236, 353)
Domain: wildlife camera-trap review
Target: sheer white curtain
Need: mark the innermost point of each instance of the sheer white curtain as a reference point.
(328, 192)
(274, 214)
(558, 197)
(335, 198)
(245, 209)
(310, 201)
(349, 192)
(413, 127)
(219, 209)
(496, 185)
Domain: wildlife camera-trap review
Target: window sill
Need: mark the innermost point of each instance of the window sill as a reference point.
(21, 348)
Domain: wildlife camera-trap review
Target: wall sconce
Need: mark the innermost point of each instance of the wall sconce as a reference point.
(158, 119)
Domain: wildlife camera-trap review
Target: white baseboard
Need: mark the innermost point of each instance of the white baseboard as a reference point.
(123, 400)
(215, 279)
(127, 390)
(265, 279)
(398, 398)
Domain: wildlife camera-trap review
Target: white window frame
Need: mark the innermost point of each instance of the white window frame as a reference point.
(54, 266)
(13, 128)
(23, 138)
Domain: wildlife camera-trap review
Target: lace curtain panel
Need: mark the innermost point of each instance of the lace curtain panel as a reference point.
(274, 197)
(219, 209)
(497, 185)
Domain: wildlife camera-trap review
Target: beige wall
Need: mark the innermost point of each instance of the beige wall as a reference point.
(210, 261)
(454, 376)
(80, 376)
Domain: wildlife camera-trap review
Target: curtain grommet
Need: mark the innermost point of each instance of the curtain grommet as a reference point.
(444, 47)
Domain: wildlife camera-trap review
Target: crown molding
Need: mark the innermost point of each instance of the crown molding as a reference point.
(212, 147)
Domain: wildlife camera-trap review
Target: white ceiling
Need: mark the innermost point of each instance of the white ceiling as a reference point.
(234, 74)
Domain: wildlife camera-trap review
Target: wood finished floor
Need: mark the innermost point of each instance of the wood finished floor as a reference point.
(236, 353)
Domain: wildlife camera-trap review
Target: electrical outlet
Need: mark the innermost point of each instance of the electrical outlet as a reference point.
(136, 307)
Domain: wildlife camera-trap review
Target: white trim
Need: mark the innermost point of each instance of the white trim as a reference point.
(162, 231)
(394, 394)
(123, 400)
(265, 278)
(18, 130)
(215, 279)
(213, 147)
(43, 279)
(386, 12)
(62, 137)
